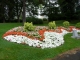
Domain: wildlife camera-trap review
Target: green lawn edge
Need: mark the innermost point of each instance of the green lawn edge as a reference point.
(14, 51)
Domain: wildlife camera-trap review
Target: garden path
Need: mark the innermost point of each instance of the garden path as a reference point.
(69, 55)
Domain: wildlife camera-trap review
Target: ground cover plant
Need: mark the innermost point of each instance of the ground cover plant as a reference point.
(14, 51)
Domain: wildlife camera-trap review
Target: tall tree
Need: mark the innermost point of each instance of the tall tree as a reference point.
(9, 9)
(67, 8)
(18, 9)
(24, 11)
(2, 10)
(51, 9)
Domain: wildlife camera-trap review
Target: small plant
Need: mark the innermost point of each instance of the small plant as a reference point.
(66, 24)
(78, 25)
(37, 35)
(28, 26)
(52, 25)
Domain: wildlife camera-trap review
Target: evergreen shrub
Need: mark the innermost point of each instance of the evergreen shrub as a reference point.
(52, 25)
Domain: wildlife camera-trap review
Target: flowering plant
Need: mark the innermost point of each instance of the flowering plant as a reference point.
(52, 39)
(15, 33)
(45, 38)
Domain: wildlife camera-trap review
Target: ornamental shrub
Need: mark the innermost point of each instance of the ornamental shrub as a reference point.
(78, 25)
(52, 25)
(66, 24)
(28, 26)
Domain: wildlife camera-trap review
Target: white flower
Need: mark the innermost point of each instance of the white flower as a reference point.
(51, 40)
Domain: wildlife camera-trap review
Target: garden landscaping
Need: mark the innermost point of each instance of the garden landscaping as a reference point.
(55, 41)
(39, 36)
(43, 38)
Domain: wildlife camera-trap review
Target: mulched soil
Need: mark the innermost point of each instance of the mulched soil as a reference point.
(69, 55)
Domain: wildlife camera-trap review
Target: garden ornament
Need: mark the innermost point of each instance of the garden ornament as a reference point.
(75, 34)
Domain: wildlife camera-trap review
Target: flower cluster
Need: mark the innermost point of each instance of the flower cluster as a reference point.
(48, 38)
(52, 39)
(15, 33)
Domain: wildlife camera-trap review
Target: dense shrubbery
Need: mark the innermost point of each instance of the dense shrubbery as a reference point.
(28, 26)
(66, 24)
(78, 25)
(34, 20)
(52, 25)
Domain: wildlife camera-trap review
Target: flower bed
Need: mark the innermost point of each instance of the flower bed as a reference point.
(47, 38)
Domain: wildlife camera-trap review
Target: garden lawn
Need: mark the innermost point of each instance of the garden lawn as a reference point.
(14, 51)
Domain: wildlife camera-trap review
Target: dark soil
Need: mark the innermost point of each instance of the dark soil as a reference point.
(69, 55)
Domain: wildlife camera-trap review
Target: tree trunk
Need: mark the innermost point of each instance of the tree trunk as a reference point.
(24, 13)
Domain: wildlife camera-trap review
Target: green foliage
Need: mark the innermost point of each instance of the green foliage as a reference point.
(69, 12)
(66, 24)
(52, 25)
(14, 9)
(10, 51)
(28, 26)
(34, 20)
(78, 25)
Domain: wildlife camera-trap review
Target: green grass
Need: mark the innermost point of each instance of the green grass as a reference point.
(59, 23)
(14, 51)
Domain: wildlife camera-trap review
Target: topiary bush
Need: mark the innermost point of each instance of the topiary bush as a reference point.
(78, 25)
(52, 25)
(28, 26)
(66, 24)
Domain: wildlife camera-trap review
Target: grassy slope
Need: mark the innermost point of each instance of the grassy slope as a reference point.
(14, 51)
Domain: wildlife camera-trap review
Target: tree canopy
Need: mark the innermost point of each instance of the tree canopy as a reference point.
(12, 10)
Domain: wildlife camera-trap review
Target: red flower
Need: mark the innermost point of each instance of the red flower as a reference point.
(15, 33)
(41, 32)
(71, 28)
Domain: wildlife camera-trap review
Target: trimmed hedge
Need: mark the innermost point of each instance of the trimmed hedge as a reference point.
(34, 20)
